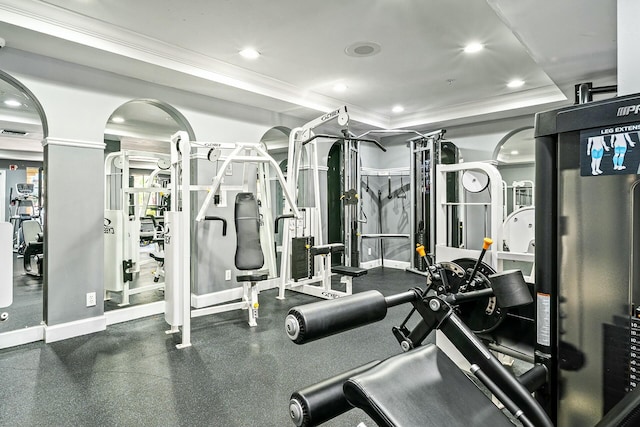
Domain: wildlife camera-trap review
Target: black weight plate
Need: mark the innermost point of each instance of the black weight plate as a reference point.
(482, 315)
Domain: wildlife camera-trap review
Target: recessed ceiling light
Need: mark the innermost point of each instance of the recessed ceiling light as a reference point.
(249, 53)
(514, 152)
(13, 103)
(340, 87)
(397, 109)
(473, 48)
(515, 83)
(117, 119)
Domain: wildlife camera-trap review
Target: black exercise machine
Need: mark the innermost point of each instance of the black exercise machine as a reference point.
(423, 387)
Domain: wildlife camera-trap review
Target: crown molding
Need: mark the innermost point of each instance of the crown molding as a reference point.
(73, 143)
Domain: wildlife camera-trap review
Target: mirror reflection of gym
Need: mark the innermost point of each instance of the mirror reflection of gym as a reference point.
(137, 162)
(21, 203)
(276, 140)
(515, 156)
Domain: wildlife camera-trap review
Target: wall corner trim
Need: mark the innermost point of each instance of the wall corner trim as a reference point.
(73, 329)
(73, 143)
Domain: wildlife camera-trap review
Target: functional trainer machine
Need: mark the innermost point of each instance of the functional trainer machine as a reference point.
(254, 245)
(427, 151)
(304, 238)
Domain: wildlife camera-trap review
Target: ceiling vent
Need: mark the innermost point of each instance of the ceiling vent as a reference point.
(361, 49)
(10, 132)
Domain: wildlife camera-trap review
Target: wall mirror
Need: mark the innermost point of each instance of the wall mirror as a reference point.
(276, 140)
(23, 127)
(515, 156)
(136, 168)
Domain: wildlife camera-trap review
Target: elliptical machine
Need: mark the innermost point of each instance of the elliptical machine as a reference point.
(24, 216)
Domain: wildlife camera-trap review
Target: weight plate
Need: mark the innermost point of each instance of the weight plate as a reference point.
(481, 315)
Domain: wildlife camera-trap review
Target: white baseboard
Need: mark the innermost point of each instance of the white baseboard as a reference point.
(400, 265)
(371, 264)
(390, 263)
(73, 329)
(21, 336)
(228, 295)
(136, 312)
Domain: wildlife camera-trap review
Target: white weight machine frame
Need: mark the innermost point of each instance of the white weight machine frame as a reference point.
(121, 230)
(178, 295)
(495, 255)
(293, 227)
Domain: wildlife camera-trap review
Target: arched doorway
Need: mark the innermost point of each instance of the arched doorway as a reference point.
(276, 140)
(137, 157)
(22, 210)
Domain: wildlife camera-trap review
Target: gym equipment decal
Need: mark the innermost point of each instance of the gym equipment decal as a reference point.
(610, 151)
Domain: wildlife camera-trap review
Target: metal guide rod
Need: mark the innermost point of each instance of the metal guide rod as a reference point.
(412, 197)
(434, 157)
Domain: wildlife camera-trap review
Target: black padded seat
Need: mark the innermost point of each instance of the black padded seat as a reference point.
(424, 388)
(252, 277)
(349, 271)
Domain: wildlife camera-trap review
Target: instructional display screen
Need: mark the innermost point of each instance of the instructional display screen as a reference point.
(610, 151)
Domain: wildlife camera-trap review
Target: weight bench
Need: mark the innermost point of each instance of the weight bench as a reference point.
(347, 273)
(249, 254)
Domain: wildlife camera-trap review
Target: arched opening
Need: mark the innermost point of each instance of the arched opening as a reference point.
(137, 159)
(23, 126)
(276, 140)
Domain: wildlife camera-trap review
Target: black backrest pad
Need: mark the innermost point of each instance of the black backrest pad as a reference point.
(422, 387)
(248, 250)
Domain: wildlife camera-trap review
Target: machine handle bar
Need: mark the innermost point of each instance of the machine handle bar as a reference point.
(380, 146)
(217, 218)
(278, 218)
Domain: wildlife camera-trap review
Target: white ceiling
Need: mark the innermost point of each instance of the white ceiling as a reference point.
(194, 46)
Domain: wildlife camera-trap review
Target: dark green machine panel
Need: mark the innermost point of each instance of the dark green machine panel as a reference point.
(335, 212)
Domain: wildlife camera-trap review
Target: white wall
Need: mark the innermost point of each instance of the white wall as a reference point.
(628, 50)
(477, 141)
